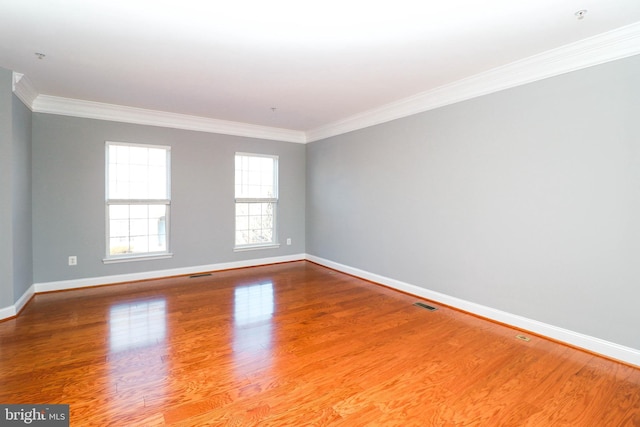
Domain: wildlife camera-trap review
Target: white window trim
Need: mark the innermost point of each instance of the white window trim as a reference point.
(145, 257)
(112, 259)
(275, 243)
(244, 248)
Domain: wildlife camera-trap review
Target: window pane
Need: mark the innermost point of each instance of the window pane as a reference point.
(121, 153)
(138, 155)
(157, 183)
(119, 246)
(137, 229)
(157, 157)
(255, 222)
(254, 225)
(157, 211)
(137, 172)
(255, 177)
(242, 238)
(138, 211)
(242, 208)
(267, 235)
(119, 211)
(242, 216)
(119, 228)
(255, 209)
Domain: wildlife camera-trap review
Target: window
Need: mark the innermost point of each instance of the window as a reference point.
(256, 200)
(137, 201)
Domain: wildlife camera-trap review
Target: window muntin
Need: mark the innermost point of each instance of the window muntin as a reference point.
(138, 200)
(256, 195)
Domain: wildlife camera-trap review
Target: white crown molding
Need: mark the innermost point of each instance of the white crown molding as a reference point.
(576, 339)
(616, 44)
(119, 113)
(24, 90)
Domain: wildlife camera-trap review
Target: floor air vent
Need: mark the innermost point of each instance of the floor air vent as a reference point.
(423, 305)
(193, 276)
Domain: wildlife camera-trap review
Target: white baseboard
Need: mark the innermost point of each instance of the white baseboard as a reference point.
(7, 312)
(36, 288)
(596, 345)
(593, 344)
(13, 310)
(24, 299)
(157, 274)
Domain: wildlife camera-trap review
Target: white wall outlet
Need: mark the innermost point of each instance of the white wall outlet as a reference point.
(73, 260)
(288, 240)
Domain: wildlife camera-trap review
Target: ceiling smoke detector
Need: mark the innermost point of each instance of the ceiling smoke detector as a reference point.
(581, 13)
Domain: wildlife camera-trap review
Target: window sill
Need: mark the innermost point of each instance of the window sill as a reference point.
(136, 258)
(256, 247)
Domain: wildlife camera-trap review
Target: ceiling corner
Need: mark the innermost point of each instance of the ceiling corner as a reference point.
(609, 46)
(24, 90)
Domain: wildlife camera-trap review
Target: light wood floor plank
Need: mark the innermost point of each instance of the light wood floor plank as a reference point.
(295, 344)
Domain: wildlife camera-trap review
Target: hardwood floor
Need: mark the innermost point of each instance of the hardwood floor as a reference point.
(295, 344)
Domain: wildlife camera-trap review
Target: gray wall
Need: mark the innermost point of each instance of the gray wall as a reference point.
(21, 199)
(526, 200)
(69, 194)
(6, 213)
(16, 263)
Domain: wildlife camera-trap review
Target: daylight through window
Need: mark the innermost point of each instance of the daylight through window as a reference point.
(138, 200)
(256, 191)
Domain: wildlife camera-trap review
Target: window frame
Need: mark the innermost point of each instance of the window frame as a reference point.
(273, 200)
(109, 258)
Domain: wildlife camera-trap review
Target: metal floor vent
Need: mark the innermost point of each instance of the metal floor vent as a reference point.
(423, 305)
(193, 276)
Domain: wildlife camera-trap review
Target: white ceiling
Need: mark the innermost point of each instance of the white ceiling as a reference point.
(317, 63)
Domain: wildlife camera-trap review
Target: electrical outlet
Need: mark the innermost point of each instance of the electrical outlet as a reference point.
(289, 241)
(73, 260)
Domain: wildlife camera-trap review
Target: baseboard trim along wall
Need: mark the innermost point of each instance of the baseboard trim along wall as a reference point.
(7, 312)
(36, 288)
(586, 342)
(157, 274)
(13, 310)
(589, 343)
